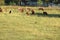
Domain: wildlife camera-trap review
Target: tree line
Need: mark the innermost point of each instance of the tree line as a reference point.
(18, 2)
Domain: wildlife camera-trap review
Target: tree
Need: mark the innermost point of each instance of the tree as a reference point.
(7, 2)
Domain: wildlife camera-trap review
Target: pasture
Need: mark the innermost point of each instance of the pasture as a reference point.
(19, 26)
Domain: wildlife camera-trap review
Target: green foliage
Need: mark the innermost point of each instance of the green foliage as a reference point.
(39, 2)
(12, 3)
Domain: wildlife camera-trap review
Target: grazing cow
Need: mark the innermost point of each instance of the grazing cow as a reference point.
(45, 13)
(10, 12)
(32, 12)
(21, 9)
(28, 9)
(41, 9)
(27, 13)
(0, 10)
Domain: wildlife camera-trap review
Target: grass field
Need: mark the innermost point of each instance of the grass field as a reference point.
(18, 26)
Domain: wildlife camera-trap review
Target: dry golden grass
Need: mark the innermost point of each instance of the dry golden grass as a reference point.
(19, 26)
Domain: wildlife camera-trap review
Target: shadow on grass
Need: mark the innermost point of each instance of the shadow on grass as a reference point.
(49, 15)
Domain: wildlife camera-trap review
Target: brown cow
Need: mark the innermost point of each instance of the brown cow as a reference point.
(41, 9)
(27, 13)
(28, 9)
(32, 12)
(0, 10)
(45, 13)
(21, 9)
(10, 12)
